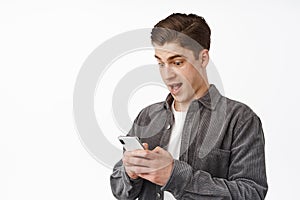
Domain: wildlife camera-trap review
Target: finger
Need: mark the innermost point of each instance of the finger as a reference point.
(137, 161)
(146, 146)
(133, 153)
(152, 177)
(126, 153)
(143, 175)
(140, 169)
(147, 154)
(157, 149)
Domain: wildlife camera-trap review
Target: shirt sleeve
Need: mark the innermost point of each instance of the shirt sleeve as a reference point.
(122, 186)
(246, 177)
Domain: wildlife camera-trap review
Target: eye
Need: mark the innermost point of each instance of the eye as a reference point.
(178, 63)
(161, 64)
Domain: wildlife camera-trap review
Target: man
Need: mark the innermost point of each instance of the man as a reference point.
(198, 143)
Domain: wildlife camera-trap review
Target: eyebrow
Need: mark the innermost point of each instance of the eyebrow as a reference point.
(171, 57)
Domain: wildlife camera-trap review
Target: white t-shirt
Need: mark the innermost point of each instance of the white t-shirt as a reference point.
(175, 140)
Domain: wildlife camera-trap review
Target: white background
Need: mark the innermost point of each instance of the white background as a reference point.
(255, 47)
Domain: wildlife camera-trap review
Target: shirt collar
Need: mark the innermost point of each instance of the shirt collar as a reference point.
(210, 98)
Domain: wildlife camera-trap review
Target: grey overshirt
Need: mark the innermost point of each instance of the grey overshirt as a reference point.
(222, 153)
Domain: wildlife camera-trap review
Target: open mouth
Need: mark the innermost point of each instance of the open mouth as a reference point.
(174, 88)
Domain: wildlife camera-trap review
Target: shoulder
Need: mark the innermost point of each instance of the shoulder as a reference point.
(150, 110)
(238, 111)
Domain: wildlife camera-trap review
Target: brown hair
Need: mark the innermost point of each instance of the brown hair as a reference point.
(190, 31)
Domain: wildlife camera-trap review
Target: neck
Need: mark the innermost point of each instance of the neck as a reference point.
(183, 106)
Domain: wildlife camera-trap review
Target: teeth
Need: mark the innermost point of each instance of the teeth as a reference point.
(175, 86)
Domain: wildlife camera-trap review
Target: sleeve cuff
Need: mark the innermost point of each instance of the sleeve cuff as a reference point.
(180, 176)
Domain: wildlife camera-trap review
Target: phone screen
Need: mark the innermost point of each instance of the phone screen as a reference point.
(130, 143)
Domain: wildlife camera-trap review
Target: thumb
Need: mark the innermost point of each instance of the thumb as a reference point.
(146, 146)
(157, 149)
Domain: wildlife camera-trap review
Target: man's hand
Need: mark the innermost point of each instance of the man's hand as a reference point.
(155, 166)
(129, 172)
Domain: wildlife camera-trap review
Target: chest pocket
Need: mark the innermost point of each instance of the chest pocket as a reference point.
(216, 162)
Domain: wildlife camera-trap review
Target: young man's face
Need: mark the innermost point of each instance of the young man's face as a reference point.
(181, 72)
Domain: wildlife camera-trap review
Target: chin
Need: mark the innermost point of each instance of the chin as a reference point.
(178, 99)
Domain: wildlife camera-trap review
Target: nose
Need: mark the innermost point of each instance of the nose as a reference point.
(168, 73)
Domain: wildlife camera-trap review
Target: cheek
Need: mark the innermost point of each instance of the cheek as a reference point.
(189, 74)
(162, 74)
(191, 77)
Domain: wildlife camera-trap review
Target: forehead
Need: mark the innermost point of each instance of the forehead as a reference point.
(170, 49)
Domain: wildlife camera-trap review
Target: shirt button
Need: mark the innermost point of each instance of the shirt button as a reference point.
(169, 126)
(158, 195)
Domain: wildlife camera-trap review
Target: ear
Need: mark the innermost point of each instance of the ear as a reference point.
(204, 58)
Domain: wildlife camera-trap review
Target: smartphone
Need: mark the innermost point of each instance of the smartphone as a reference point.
(131, 143)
